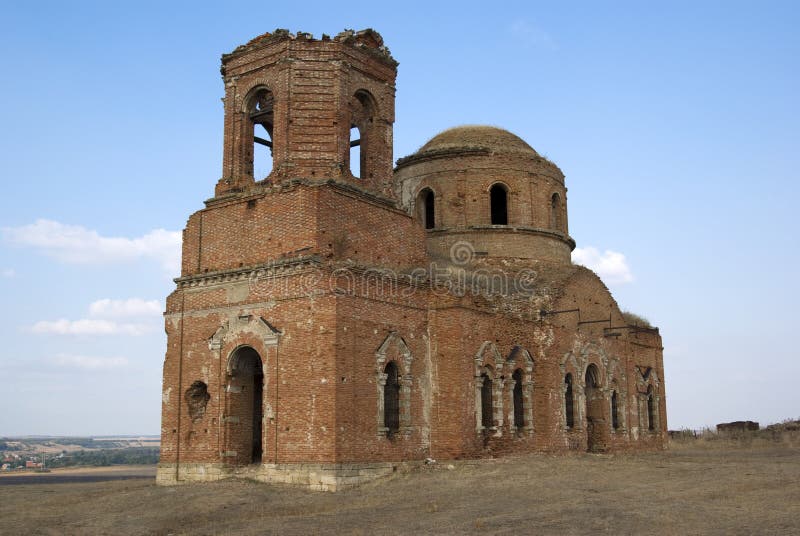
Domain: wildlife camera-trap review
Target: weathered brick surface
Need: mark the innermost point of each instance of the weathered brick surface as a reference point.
(329, 278)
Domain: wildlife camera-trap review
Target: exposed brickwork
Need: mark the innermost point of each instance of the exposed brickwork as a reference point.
(316, 280)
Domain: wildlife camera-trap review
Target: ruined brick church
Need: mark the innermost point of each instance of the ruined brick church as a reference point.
(338, 316)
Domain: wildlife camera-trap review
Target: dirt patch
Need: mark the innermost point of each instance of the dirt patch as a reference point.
(688, 490)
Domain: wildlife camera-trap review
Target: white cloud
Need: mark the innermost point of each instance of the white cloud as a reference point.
(8, 272)
(531, 35)
(79, 245)
(132, 307)
(104, 314)
(610, 265)
(89, 362)
(86, 326)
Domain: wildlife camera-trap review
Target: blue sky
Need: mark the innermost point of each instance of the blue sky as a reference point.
(676, 125)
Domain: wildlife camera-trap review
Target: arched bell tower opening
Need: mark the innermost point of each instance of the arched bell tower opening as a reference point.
(362, 134)
(261, 113)
(245, 403)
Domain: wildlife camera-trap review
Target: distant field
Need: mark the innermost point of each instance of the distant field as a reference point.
(72, 475)
(56, 444)
(697, 487)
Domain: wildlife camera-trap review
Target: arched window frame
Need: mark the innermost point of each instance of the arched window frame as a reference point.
(489, 361)
(648, 388)
(244, 330)
(520, 360)
(499, 206)
(617, 381)
(574, 364)
(395, 349)
(593, 383)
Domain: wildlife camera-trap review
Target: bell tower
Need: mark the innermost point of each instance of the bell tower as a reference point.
(318, 109)
(261, 368)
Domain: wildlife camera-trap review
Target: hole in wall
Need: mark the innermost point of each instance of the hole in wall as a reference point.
(197, 398)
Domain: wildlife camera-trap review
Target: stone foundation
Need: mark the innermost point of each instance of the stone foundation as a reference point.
(318, 477)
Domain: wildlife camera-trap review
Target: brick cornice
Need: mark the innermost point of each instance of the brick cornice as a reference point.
(276, 268)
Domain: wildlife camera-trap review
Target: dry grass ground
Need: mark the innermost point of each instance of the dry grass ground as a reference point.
(715, 486)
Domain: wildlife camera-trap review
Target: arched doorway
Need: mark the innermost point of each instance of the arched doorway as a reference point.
(595, 421)
(246, 406)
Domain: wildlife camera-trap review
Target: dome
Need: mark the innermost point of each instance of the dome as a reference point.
(472, 137)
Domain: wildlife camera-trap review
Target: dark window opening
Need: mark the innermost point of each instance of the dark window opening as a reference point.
(258, 414)
(651, 409)
(487, 420)
(426, 208)
(262, 115)
(555, 212)
(569, 402)
(614, 411)
(519, 411)
(391, 400)
(592, 380)
(498, 197)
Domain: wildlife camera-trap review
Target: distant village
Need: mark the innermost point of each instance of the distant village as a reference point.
(41, 453)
